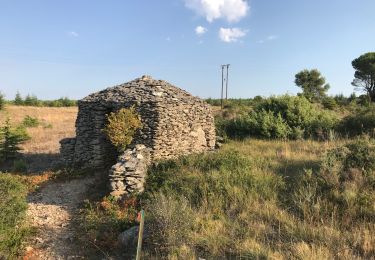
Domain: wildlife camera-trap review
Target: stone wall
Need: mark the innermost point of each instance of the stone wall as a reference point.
(129, 173)
(174, 123)
(184, 127)
(92, 147)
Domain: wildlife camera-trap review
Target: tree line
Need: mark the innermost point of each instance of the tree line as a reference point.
(314, 86)
(32, 100)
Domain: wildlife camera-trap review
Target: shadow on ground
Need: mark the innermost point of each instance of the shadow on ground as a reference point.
(291, 169)
(34, 162)
(40, 162)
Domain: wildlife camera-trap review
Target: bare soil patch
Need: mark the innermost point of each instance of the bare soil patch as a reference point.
(53, 211)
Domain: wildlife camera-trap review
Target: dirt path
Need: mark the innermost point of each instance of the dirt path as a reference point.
(53, 210)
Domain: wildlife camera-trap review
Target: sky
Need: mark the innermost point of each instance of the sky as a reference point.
(72, 48)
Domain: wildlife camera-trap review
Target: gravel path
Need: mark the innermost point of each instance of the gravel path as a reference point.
(52, 211)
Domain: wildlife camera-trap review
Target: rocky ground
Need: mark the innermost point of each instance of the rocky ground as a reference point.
(53, 211)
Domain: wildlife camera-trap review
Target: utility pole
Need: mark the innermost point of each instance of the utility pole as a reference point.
(226, 91)
(222, 84)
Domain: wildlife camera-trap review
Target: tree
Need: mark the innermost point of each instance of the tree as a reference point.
(18, 99)
(10, 139)
(2, 101)
(313, 84)
(31, 100)
(364, 76)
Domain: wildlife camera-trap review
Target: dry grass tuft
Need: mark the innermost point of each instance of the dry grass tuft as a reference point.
(57, 123)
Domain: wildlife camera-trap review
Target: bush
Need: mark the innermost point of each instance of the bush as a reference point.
(329, 103)
(103, 221)
(341, 100)
(61, 102)
(169, 222)
(237, 205)
(13, 208)
(10, 139)
(197, 202)
(19, 166)
(32, 100)
(282, 117)
(29, 121)
(2, 101)
(18, 101)
(347, 176)
(343, 189)
(358, 123)
(121, 127)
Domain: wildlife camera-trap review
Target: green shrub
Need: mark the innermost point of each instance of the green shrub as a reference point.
(282, 117)
(48, 126)
(305, 197)
(19, 166)
(344, 187)
(12, 214)
(213, 102)
(2, 101)
(32, 100)
(348, 177)
(169, 222)
(61, 102)
(18, 101)
(231, 103)
(358, 123)
(235, 204)
(239, 127)
(29, 121)
(121, 127)
(329, 103)
(10, 140)
(104, 220)
(268, 124)
(197, 191)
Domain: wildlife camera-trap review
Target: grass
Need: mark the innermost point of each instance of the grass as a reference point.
(46, 126)
(55, 124)
(242, 203)
(13, 228)
(253, 199)
(250, 200)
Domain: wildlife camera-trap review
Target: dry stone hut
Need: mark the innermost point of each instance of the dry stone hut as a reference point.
(174, 123)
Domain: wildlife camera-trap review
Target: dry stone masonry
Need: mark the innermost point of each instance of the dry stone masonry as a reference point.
(129, 173)
(174, 123)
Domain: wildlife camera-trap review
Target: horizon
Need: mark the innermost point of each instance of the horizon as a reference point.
(73, 49)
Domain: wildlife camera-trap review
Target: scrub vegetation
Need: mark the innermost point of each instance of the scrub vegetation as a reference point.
(293, 179)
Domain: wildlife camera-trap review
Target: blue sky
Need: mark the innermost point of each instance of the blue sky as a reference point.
(75, 47)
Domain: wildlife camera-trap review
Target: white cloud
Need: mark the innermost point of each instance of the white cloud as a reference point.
(231, 10)
(73, 34)
(231, 34)
(269, 38)
(200, 30)
(272, 37)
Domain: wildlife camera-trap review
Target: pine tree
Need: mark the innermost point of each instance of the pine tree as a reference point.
(313, 85)
(18, 99)
(2, 101)
(10, 141)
